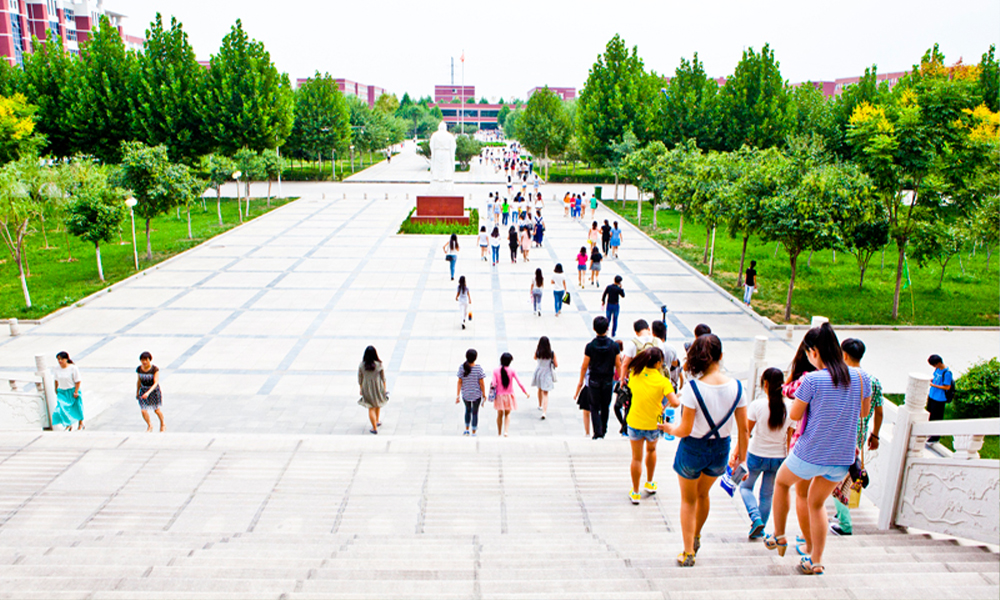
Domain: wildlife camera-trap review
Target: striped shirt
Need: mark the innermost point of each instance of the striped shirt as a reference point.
(829, 437)
(470, 383)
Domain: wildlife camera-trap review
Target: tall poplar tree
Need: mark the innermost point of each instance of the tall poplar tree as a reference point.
(49, 81)
(322, 119)
(754, 105)
(249, 102)
(689, 107)
(168, 87)
(545, 126)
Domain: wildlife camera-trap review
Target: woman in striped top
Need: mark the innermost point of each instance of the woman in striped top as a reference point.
(835, 396)
(471, 389)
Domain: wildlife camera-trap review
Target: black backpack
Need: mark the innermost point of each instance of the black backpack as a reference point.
(950, 392)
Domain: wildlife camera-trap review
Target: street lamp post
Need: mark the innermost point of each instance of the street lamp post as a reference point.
(333, 163)
(352, 158)
(130, 203)
(239, 205)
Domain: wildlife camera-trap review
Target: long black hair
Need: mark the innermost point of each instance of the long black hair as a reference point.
(647, 358)
(544, 349)
(771, 380)
(800, 364)
(824, 340)
(453, 242)
(704, 351)
(462, 288)
(65, 356)
(470, 358)
(539, 280)
(505, 360)
(370, 358)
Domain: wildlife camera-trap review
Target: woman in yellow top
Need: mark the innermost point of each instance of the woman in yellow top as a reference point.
(650, 390)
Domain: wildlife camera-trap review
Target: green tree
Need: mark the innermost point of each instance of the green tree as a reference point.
(866, 90)
(49, 82)
(759, 179)
(689, 107)
(39, 183)
(511, 127)
(16, 210)
(251, 167)
(466, 148)
(144, 172)
(322, 119)
(989, 79)
(168, 90)
(938, 242)
(185, 188)
(387, 104)
(95, 214)
(219, 170)
(546, 126)
(619, 96)
(101, 115)
(502, 115)
(11, 79)
(680, 166)
(754, 105)
(811, 113)
(865, 235)
(271, 165)
(248, 101)
(17, 129)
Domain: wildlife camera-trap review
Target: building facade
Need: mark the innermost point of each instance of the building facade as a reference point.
(73, 21)
(368, 93)
(565, 93)
(446, 93)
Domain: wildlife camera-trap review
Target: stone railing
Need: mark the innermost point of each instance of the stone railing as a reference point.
(957, 495)
(29, 401)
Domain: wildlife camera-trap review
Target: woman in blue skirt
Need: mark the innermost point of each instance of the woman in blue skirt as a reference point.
(70, 403)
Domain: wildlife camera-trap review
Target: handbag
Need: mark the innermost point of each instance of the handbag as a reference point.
(492, 393)
(565, 298)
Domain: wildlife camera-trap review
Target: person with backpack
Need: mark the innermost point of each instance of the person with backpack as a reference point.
(601, 361)
(471, 389)
(610, 303)
(941, 392)
(643, 339)
(711, 405)
(770, 429)
(836, 396)
(854, 351)
(671, 364)
(650, 392)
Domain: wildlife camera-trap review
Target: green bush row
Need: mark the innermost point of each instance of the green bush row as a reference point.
(977, 391)
(472, 228)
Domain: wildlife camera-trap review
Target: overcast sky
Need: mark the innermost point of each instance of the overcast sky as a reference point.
(513, 45)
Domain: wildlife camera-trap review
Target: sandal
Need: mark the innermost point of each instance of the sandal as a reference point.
(697, 543)
(685, 560)
(806, 567)
(799, 549)
(779, 543)
(374, 431)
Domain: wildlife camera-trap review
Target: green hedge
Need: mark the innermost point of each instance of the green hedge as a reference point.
(472, 228)
(599, 177)
(977, 392)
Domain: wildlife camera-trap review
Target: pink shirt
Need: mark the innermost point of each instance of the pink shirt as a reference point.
(509, 390)
(581, 260)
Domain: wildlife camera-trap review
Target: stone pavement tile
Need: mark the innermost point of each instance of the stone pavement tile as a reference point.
(326, 265)
(122, 353)
(275, 251)
(241, 353)
(214, 298)
(20, 352)
(158, 278)
(94, 322)
(198, 263)
(378, 324)
(100, 471)
(222, 248)
(133, 297)
(244, 279)
(263, 264)
(327, 354)
(213, 386)
(306, 280)
(300, 299)
(52, 510)
(197, 321)
(271, 323)
(398, 299)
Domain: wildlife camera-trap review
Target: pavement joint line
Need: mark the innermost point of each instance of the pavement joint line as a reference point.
(19, 450)
(190, 498)
(499, 322)
(503, 497)
(347, 494)
(274, 488)
(114, 494)
(576, 489)
(422, 509)
(406, 331)
(39, 491)
(324, 313)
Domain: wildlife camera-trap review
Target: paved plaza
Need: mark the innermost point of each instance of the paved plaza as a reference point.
(259, 333)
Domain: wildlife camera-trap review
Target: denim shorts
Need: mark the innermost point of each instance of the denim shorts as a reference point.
(581, 267)
(699, 456)
(650, 435)
(806, 470)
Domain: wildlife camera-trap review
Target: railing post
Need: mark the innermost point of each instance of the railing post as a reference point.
(15, 327)
(759, 355)
(46, 388)
(901, 449)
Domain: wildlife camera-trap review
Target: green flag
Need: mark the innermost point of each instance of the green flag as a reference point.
(906, 272)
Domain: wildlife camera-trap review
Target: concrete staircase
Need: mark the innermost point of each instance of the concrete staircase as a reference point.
(101, 515)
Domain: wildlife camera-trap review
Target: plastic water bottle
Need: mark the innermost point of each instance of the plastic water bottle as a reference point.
(667, 417)
(732, 478)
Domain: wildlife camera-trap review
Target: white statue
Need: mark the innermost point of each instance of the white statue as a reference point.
(442, 156)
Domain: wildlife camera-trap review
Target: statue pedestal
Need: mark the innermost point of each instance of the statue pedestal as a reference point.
(440, 209)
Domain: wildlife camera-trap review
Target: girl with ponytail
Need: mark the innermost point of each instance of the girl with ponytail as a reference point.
(503, 381)
(770, 429)
(471, 389)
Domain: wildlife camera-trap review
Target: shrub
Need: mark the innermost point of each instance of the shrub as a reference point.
(977, 391)
(472, 228)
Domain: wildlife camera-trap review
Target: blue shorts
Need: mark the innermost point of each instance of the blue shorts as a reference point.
(698, 456)
(581, 267)
(806, 470)
(650, 435)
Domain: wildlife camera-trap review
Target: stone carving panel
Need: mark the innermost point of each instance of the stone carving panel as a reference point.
(952, 497)
(22, 411)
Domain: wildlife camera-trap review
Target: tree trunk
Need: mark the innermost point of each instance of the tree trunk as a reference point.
(247, 196)
(100, 267)
(943, 266)
(989, 252)
(616, 187)
(680, 228)
(809, 262)
(190, 237)
(834, 257)
(899, 279)
(45, 237)
(776, 247)
(149, 243)
(69, 251)
(743, 255)
(711, 259)
(218, 203)
(708, 240)
(24, 280)
(882, 266)
(546, 163)
(793, 258)
(638, 207)
(269, 193)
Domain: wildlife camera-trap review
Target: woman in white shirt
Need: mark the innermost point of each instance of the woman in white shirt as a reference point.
(558, 287)
(770, 427)
(69, 407)
(710, 405)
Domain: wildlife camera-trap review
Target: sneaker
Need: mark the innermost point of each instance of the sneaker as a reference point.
(837, 530)
(466, 432)
(473, 433)
(543, 416)
(756, 530)
(463, 325)
(649, 487)
(633, 496)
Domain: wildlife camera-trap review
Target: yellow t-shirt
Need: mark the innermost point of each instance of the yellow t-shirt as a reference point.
(648, 389)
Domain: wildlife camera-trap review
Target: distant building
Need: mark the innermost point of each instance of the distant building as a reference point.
(565, 93)
(72, 20)
(484, 116)
(446, 93)
(368, 93)
(839, 85)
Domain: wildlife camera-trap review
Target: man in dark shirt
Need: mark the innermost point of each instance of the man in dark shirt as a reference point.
(605, 237)
(751, 282)
(609, 302)
(601, 358)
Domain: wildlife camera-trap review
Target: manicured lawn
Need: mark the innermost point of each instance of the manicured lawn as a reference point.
(828, 288)
(472, 228)
(991, 443)
(55, 282)
(577, 173)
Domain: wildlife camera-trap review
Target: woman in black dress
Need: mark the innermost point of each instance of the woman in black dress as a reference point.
(147, 390)
(512, 242)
